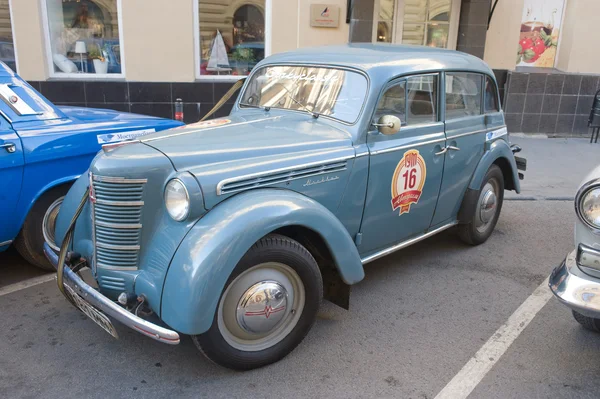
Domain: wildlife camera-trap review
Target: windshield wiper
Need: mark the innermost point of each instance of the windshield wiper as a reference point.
(291, 96)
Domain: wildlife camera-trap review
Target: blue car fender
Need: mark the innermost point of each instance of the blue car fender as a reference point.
(498, 152)
(208, 254)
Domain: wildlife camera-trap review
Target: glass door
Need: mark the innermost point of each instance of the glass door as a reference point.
(431, 23)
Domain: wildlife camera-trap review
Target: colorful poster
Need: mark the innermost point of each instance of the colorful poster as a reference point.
(540, 30)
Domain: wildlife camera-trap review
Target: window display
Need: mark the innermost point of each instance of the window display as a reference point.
(84, 36)
(232, 37)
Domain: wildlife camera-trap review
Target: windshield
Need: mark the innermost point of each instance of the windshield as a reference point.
(337, 93)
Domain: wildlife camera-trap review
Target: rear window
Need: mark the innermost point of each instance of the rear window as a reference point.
(463, 94)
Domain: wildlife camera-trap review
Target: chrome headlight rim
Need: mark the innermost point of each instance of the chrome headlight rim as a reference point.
(580, 196)
(187, 198)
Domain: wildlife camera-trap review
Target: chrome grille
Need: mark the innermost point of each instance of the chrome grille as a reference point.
(117, 211)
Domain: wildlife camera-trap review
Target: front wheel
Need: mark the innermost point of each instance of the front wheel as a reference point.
(487, 210)
(267, 307)
(39, 227)
(587, 322)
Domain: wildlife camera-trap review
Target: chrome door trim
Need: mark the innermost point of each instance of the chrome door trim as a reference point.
(5, 243)
(469, 133)
(403, 147)
(406, 243)
(279, 170)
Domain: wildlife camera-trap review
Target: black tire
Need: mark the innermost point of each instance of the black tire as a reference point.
(469, 232)
(272, 248)
(587, 322)
(30, 241)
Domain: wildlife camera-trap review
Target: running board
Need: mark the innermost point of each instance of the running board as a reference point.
(405, 244)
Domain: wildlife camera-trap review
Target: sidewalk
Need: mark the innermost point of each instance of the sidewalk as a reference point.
(555, 167)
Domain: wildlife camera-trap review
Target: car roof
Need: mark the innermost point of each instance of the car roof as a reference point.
(384, 60)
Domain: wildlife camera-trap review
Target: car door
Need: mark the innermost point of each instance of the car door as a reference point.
(405, 169)
(465, 138)
(11, 173)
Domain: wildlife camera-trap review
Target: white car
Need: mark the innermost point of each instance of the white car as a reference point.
(576, 282)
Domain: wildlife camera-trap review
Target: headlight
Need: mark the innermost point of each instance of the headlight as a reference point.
(177, 200)
(589, 207)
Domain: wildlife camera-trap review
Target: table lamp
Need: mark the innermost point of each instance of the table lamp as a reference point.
(81, 50)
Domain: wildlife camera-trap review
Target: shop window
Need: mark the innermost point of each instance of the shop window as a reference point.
(84, 37)
(7, 48)
(231, 35)
(463, 95)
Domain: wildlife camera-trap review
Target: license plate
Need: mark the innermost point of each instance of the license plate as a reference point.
(97, 316)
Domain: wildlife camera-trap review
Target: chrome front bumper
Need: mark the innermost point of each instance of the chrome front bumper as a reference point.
(109, 307)
(575, 289)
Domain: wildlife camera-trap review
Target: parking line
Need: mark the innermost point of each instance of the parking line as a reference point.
(482, 362)
(26, 284)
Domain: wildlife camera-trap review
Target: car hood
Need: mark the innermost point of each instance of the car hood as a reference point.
(250, 135)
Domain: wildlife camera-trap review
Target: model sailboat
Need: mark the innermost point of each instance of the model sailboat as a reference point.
(218, 61)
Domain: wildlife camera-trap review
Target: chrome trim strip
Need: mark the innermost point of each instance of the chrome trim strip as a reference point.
(120, 180)
(119, 225)
(120, 268)
(590, 185)
(5, 243)
(588, 257)
(109, 307)
(119, 203)
(362, 154)
(279, 170)
(469, 133)
(408, 146)
(405, 244)
(118, 247)
(210, 128)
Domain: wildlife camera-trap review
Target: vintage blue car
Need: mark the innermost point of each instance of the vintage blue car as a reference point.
(232, 230)
(43, 150)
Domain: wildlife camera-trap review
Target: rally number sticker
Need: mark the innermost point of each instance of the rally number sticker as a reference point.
(407, 183)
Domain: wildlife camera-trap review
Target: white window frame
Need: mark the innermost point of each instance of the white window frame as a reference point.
(85, 75)
(227, 78)
(454, 17)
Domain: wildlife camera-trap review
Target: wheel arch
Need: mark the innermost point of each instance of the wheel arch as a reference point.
(498, 153)
(206, 257)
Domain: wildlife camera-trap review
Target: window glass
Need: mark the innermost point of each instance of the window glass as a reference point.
(232, 36)
(491, 97)
(84, 36)
(426, 22)
(393, 102)
(463, 95)
(385, 23)
(337, 93)
(421, 93)
(7, 51)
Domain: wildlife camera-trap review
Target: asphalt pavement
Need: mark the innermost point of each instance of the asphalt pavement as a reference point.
(418, 317)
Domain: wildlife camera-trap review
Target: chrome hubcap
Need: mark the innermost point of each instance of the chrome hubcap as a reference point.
(49, 223)
(262, 307)
(487, 205)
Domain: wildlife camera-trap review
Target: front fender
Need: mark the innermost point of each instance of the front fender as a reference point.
(499, 149)
(209, 253)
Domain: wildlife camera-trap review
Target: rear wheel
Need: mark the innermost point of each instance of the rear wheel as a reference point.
(267, 307)
(587, 322)
(39, 228)
(487, 210)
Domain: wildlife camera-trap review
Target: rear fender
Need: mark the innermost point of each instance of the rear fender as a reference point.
(499, 152)
(207, 256)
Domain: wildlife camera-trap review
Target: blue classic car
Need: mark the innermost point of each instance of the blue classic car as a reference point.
(43, 150)
(232, 230)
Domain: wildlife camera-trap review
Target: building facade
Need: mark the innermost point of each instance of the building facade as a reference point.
(142, 55)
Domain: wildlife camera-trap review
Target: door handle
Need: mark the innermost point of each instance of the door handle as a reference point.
(443, 151)
(10, 147)
(451, 147)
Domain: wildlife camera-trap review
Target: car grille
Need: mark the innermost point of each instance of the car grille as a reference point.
(117, 214)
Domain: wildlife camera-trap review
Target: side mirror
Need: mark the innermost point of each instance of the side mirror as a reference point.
(388, 125)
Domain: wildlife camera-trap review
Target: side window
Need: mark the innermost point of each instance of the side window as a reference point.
(463, 94)
(490, 102)
(421, 93)
(393, 102)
